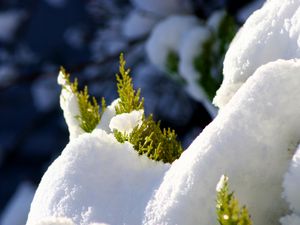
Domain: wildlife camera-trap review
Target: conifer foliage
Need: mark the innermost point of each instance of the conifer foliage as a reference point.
(147, 137)
(89, 109)
(228, 209)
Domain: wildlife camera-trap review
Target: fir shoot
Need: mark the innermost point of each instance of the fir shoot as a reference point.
(147, 138)
(89, 109)
(228, 210)
(129, 98)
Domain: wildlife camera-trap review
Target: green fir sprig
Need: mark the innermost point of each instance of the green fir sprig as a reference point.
(147, 138)
(89, 115)
(129, 98)
(228, 209)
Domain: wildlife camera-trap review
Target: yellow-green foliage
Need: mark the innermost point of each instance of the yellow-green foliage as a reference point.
(129, 98)
(149, 139)
(89, 109)
(228, 210)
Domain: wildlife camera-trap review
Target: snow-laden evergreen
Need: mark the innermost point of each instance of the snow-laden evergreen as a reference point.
(250, 141)
(270, 33)
(253, 140)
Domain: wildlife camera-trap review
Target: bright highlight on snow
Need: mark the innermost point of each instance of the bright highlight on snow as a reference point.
(120, 171)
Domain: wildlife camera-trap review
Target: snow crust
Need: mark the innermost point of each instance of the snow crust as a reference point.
(70, 107)
(166, 36)
(291, 183)
(290, 220)
(270, 33)
(125, 122)
(55, 221)
(97, 180)
(249, 141)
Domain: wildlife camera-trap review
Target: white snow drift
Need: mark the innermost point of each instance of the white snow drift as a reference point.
(166, 38)
(249, 141)
(97, 179)
(270, 33)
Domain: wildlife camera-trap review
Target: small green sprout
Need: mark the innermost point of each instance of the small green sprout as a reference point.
(146, 138)
(149, 139)
(129, 98)
(228, 210)
(89, 109)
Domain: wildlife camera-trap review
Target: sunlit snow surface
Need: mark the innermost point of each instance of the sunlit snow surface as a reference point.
(270, 33)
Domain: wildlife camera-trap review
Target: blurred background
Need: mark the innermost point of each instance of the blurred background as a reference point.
(174, 48)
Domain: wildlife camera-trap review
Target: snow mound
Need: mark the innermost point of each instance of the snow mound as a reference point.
(270, 33)
(97, 180)
(249, 141)
(291, 183)
(125, 122)
(290, 220)
(70, 107)
(166, 37)
(55, 221)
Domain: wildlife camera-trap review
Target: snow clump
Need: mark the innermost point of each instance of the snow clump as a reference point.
(270, 33)
(249, 136)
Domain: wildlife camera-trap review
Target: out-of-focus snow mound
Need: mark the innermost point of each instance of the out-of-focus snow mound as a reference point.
(97, 179)
(270, 33)
(250, 141)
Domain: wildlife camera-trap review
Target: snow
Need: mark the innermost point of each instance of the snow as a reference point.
(17, 209)
(108, 114)
(138, 24)
(249, 141)
(270, 33)
(163, 8)
(166, 37)
(97, 180)
(291, 183)
(290, 220)
(221, 183)
(55, 221)
(190, 47)
(9, 22)
(125, 122)
(70, 107)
